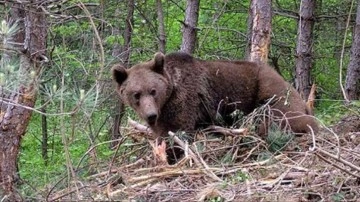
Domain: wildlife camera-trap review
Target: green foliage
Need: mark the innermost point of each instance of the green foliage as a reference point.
(337, 197)
(240, 177)
(330, 111)
(70, 81)
(227, 158)
(264, 156)
(236, 178)
(11, 75)
(111, 40)
(277, 138)
(174, 15)
(216, 199)
(7, 32)
(220, 35)
(32, 167)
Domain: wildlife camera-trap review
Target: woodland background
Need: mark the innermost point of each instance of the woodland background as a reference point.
(60, 116)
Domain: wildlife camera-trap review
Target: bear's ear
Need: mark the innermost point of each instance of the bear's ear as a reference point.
(119, 73)
(159, 63)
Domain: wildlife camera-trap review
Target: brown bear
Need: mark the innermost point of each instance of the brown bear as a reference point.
(179, 92)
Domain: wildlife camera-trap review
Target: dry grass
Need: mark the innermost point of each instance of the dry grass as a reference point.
(234, 166)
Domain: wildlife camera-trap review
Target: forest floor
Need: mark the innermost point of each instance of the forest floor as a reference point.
(238, 166)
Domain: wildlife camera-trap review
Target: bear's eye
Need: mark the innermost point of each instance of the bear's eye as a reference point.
(153, 92)
(137, 96)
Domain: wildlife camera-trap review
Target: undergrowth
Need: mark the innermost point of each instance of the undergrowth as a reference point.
(39, 177)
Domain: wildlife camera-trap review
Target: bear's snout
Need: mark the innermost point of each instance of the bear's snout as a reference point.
(151, 118)
(149, 109)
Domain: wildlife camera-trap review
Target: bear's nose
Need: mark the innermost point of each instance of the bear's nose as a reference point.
(151, 118)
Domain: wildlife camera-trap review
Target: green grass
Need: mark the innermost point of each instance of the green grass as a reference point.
(32, 167)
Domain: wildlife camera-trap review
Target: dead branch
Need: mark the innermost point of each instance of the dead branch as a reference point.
(339, 159)
(310, 103)
(226, 131)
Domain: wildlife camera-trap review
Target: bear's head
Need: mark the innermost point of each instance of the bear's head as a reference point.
(145, 87)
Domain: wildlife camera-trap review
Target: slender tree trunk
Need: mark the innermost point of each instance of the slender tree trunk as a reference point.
(128, 33)
(162, 35)
(44, 130)
(14, 118)
(115, 128)
(304, 48)
(116, 51)
(249, 33)
(189, 26)
(260, 21)
(124, 55)
(352, 84)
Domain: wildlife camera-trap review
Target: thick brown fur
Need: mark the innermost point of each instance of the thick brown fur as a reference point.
(179, 92)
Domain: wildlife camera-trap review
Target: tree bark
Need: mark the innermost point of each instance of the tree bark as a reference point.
(260, 22)
(189, 26)
(162, 35)
(304, 48)
(249, 33)
(14, 117)
(352, 83)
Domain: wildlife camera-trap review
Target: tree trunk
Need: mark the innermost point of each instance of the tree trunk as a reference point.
(304, 48)
(352, 84)
(189, 26)
(116, 117)
(249, 33)
(128, 33)
(44, 130)
(124, 53)
(116, 51)
(162, 36)
(260, 21)
(14, 115)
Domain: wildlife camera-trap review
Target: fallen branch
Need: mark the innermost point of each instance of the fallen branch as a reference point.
(166, 174)
(56, 198)
(183, 146)
(208, 171)
(142, 128)
(197, 158)
(339, 159)
(337, 166)
(226, 131)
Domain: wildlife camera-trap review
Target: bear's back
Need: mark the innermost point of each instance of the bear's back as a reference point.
(217, 81)
(234, 81)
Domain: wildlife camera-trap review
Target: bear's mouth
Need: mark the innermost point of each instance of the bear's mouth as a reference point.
(152, 122)
(151, 119)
